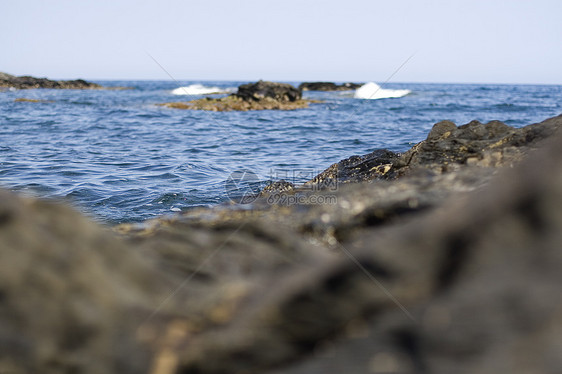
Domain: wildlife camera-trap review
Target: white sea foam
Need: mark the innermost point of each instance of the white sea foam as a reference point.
(372, 90)
(199, 89)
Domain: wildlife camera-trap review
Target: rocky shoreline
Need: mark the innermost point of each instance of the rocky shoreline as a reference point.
(445, 258)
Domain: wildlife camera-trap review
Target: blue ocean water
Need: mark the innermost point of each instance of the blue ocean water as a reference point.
(118, 157)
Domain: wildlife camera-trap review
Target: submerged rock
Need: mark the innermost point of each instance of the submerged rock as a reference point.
(235, 103)
(261, 95)
(328, 86)
(26, 100)
(418, 270)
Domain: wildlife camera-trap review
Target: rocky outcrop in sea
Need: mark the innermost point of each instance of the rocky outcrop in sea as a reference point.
(328, 86)
(443, 259)
(261, 95)
(27, 82)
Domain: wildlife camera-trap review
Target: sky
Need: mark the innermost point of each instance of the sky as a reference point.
(475, 41)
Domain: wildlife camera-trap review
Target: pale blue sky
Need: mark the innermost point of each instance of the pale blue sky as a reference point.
(487, 41)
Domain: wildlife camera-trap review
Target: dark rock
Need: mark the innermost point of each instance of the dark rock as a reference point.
(273, 90)
(492, 144)
(441, 128)
(69, 291)
(253, 96)
(431, 270)
(357, 169)
(281, 186)
(328, 86)
(446, 148)
(472, 286)
(26, 82)
(490, 264)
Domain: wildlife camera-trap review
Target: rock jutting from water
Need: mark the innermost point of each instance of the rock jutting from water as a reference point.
(261, 95)
(445, 258)
(8, 81)
(27, 82)
(328, 86)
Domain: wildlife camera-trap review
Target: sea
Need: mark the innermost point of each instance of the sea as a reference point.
(117, 156)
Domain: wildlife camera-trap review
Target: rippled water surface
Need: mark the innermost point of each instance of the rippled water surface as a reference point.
(119, 157)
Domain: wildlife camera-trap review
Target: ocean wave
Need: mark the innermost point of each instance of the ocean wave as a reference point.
(199, 89)
(372, 90)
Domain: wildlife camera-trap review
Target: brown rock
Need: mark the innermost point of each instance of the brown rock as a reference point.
(234, 103)
(261, 95)
(25, 100)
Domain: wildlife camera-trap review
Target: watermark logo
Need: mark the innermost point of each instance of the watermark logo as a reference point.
(286, 199)
(243, 186)
(305, 179)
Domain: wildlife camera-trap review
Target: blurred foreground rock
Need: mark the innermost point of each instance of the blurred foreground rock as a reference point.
(420, 269)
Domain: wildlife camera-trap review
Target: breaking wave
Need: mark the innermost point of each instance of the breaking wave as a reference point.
(199, 89)
(372, 90)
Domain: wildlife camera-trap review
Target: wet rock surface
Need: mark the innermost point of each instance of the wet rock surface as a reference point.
(27, 82)
(447, 148)
(261, 95)
(357, 169)
(261, 90)
(328, 86)
(446, 262)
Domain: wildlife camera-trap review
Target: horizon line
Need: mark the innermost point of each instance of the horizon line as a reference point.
(327, 81)
(298, 80)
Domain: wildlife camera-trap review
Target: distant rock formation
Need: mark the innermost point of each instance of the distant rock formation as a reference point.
(328, 86)
(261, 95)
(27, 82)
(273, 90)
